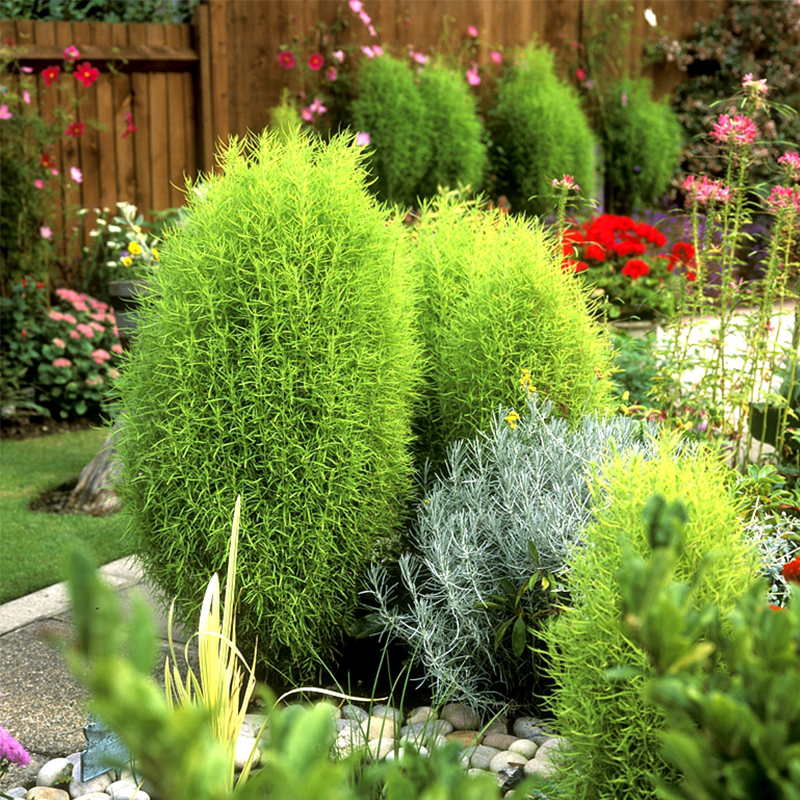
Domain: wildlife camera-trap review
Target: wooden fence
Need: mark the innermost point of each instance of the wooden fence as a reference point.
(189, 86)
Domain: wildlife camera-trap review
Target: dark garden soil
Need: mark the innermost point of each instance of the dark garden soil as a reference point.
(35, 426)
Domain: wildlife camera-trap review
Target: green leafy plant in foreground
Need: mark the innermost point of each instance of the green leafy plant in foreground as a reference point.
(733, 733)
(275, 358)
(614, 733)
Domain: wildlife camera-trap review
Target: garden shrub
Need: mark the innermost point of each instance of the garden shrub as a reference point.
(539, 133)
(459, 151)
(496, 307)
(642, 139)
(391, 109)
(614, 733)
(508, 505)
(274, 359)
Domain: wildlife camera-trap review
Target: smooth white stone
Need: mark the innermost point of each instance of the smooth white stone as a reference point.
(390, 712)
(506, 759)
(525, 747)
(126, 789)
(241, 752)
(54, 772)
(46, 793)
(379, 728)
(539, 766)
(420, 714)
(77, 787)
(380, 748)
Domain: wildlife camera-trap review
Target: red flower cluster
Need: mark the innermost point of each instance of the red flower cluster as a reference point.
(791, 570)
(608, 236)
(682, 254)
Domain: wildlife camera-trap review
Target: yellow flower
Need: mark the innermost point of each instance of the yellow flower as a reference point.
(127, 261)
(135, 248)
(155, 254)
(511, 418)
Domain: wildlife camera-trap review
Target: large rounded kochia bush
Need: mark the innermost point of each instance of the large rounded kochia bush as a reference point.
(275, 359)
(498, 310)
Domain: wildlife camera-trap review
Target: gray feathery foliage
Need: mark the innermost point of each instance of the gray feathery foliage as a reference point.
(775, 538)
(520, 483)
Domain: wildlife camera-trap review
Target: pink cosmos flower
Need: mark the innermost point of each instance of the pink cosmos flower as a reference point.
(580, 74)
(45, 232)
(100, 356)
(286, 59)
(356, 6)
(473, 79)
(62, 362)
(472, 31)
(130, 127)
(5, 113)
(331, 74)
(71, 53)
(307, 114)
(736, 130)
(377, 50)
(75, 129)
(338, 55)
(76, 174)
(39, 183)
(420, 58)
(26, 70)
(26, 97)
(86, 74)
(50, 74)
(368, 51)
(316, 107)
(315, 62)
(372, 32)
(365, 18)
(117, 349)
(496, 57)
(59, 342)
(362, 138)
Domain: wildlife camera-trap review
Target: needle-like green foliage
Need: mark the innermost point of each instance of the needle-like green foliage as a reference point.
(498, 312)
(539, 133)
(275, 359)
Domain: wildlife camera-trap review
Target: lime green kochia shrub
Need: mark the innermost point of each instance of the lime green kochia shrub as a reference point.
(642, 141)
(459, 151)
(390, 108)
(497, 311)
(539, 133)
(614, 732)
(275, 359)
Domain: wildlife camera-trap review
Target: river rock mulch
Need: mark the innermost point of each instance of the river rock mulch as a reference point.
(510, 752)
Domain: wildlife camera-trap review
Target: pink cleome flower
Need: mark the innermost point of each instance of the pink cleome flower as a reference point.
(704, 190)
(736, 130)
(792, 162)
(755, 87)
(784, 197)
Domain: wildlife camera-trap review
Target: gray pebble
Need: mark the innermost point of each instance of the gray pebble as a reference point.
(500, 740)
(17, 791)
(46, 793)
(482, 756)
(506, 759)
(421, 714)
(525, 726)
(389, 712)
(497, 725)
(354, 712)
(126, 789)
(461, 717)
(77, 787)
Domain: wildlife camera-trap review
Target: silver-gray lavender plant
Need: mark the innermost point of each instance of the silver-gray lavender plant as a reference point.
(525, 481)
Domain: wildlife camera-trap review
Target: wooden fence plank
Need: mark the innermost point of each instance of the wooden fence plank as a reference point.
(176, 126)
(140, 106)
(158, 129)
(205, 112)
(127, 188)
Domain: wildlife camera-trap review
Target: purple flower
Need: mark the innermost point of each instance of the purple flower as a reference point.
(11, 751)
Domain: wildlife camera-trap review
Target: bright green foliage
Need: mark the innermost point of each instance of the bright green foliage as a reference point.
(175, 749)
(734, 734)
(391, 109)
(614, 732)
(275, 359)
(642, 141)
(459, 152)
(539, 133)
(496, 308)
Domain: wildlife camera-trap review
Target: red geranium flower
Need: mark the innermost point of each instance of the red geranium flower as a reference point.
(683, 253)
(86, 73)
(635, 268)
(50, 74)
(595, 252)
(581, 266)
(791, 571)
(316, 61)
(286, 59)
(75, 129)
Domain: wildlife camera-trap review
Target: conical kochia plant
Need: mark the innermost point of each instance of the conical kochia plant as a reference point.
(275, 359)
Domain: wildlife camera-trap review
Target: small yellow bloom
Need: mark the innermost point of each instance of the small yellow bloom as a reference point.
(135, 248)
(598, 372)
(155, 254)
(127, 261)
(511, 418)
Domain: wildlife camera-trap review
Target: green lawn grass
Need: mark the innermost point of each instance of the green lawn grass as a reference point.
(33, 545)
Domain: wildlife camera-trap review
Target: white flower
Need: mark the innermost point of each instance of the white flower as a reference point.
(651, 18)
(114, 229)
(94, 234)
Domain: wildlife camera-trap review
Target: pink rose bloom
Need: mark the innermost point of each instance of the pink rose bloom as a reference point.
(472, 31)
(496, 57)
(68, 318)
(58, 342)
(73, 334)
(117, 349)
(62, 362)
(100, 356)
(85, 330)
